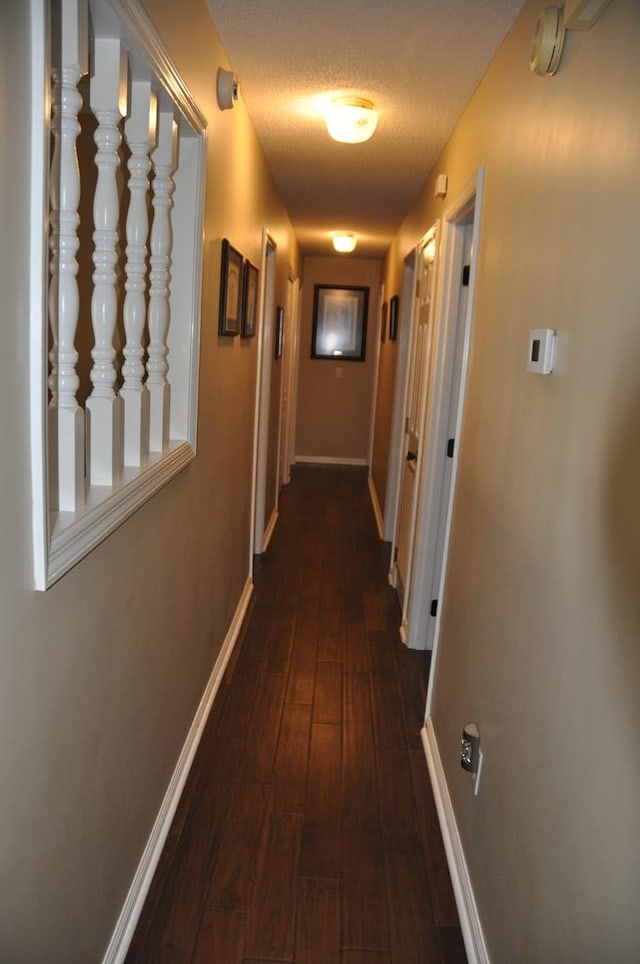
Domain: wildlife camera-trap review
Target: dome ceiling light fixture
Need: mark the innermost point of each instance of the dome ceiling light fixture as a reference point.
(344, 241)
(351, 120)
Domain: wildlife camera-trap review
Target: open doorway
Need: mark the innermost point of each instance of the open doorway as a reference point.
(443, 416)
(260, 529)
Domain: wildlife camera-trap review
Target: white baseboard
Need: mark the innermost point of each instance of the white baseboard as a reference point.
(123, 933)
(268, 532)
(376, 506)
(328, 460)
(474, 941)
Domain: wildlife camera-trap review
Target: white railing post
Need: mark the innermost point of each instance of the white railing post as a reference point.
(165, 159)
(105, 410)
(140, 134)
(66, 418)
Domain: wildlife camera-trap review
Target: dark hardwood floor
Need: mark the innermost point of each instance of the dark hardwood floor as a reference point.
(307, 831)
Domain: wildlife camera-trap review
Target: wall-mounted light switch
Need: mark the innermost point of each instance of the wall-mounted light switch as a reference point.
(338, 372)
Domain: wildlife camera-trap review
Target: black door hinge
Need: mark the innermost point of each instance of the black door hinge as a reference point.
(451, 444)
(434, 607)
(466, 271)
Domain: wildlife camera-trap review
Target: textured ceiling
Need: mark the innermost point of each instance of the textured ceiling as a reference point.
(419, 61)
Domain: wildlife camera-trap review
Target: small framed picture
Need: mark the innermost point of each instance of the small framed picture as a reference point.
(279, 331)
(249, 300)
(339, 322)
(230, 290)
(394, 307)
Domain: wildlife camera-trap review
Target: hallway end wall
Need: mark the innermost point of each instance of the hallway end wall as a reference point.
(334, 397)
(541, 615)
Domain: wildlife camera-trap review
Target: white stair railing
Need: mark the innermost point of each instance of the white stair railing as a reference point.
(105, 409)
(140, 134)
(165, 161)
(132, 439)
(66, 418)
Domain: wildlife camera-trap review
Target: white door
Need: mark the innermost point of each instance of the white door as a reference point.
(417, 387)
(263, 392)
(443, 419)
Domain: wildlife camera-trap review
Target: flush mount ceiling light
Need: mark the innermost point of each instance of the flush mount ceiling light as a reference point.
(351, 119)
(344, 242)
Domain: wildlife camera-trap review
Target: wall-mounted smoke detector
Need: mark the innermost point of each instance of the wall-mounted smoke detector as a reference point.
(548, 42)
(227, 89)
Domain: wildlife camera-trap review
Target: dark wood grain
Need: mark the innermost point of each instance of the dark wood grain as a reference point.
(270, 926)
(327, 703)
(360, 773)
(307, 829)
(292, 756)
(323, 802)
(221, 938)
(413, 934)
(318, 922)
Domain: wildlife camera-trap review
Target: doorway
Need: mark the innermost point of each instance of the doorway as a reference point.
(409, 453)
(259, 539)
(443, 420)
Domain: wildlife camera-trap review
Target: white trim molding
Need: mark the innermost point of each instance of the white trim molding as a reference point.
(328, 460)
(124, 930)
(472, 933)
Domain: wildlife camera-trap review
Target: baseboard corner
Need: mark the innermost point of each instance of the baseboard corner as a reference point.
(376, 506)
(472, 933)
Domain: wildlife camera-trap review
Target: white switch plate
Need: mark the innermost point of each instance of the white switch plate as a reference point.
(542, 347)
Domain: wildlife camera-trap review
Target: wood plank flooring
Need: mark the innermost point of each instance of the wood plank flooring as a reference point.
(307, 831)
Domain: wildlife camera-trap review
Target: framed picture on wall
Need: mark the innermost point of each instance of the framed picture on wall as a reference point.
(383, 322)
(279, 339)
(249, 300)
(394, 307)
(339, 322)
(230, 290)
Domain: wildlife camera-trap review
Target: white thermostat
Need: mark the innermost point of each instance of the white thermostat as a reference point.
(542, 345)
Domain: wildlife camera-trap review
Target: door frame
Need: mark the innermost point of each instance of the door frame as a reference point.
(288, 381)
(432, 236)
(266, 305)
(396, 438)
(423, 628)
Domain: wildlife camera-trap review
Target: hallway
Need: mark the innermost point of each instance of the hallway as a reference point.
(307, 831)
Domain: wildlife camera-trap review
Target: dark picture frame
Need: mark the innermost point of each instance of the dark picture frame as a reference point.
(250, 277)
(394, 308)
(230, 290)
(279, 338)
(339, 322)
(383, 322)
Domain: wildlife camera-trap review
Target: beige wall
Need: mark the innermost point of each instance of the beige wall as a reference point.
(100, 677)
(540, 639)
(334, 414)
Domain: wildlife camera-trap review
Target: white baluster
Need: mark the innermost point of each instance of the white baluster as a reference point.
(140, 134)
(165, 159)
(105, 418)
(66, 418)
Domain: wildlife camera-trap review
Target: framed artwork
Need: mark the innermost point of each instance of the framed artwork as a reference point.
(279, 339)
(339, 322)
(230, 290)
(394, 307)
(383, 322)
(249, 300)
